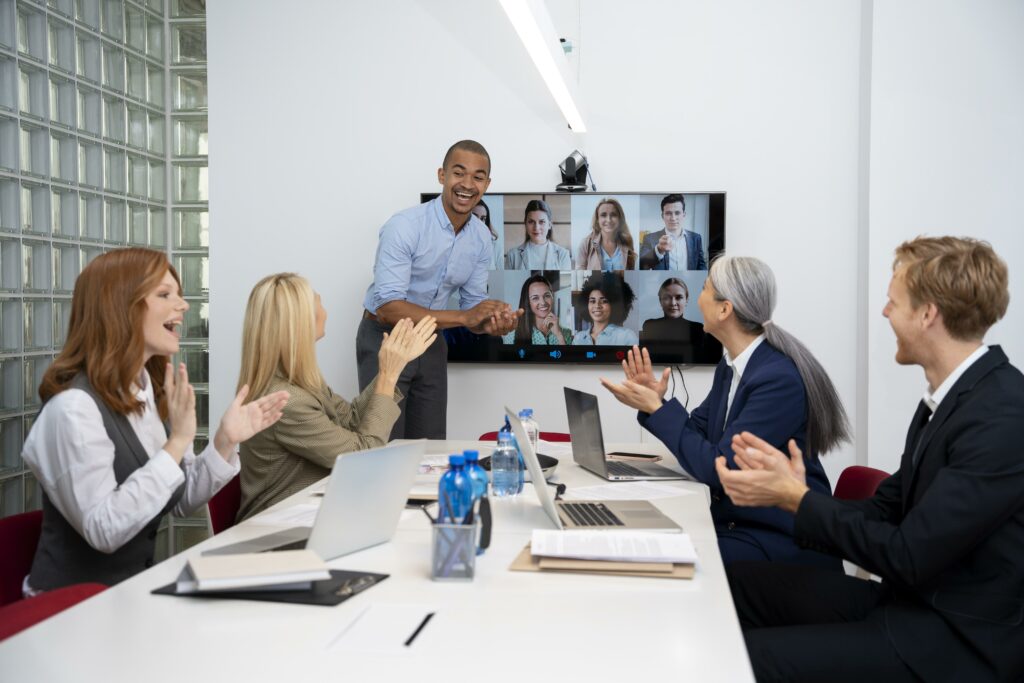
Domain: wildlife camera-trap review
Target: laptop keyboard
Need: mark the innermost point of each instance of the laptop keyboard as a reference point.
(591, 514)
(622, 469)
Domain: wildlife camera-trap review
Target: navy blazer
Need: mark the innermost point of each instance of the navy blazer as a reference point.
(946, 531)
(771, 402)
(694, 249)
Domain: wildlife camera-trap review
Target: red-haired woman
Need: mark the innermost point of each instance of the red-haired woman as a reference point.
(108, 468)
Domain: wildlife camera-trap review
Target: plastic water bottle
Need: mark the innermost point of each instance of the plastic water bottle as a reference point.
(455, 492)
(478, 477)
(505, 467)
(477, 474)
(531, 427)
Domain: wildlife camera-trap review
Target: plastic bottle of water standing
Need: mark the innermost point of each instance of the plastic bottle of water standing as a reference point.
(478, 477)
(531, 427)
(505, 467)
(477, 474)
(455, 492)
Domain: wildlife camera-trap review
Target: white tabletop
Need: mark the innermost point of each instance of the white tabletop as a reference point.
(501, 626)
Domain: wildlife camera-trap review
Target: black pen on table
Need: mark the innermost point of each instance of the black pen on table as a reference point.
(426, 620)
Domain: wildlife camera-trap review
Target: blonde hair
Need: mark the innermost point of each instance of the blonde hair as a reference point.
(279, 334)
(963, 277)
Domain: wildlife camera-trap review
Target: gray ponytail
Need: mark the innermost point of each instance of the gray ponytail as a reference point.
(749, 284)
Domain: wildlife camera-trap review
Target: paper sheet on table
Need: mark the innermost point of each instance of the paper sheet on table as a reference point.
(556, 449)
(622, 546)
(384, 628)
(302, 514)
(626, 490)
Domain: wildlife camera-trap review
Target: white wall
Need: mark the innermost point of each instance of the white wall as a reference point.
(328, 117)
(947, 157)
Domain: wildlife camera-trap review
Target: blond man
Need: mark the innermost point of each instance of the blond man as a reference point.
(945, 533)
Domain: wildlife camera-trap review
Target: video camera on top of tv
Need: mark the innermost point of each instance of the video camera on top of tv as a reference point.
(574, 173)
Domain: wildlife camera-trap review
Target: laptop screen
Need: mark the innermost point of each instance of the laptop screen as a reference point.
(585, 429)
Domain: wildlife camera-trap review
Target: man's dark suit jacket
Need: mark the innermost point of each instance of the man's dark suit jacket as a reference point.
(770, 401)
(694, 252)
(947, 533)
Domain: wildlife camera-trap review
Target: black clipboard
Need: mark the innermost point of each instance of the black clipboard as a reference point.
(333, 591)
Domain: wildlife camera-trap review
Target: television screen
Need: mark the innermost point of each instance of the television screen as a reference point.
(596, 273)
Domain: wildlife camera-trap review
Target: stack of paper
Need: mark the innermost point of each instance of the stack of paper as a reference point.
(618, 553)
(280, 570)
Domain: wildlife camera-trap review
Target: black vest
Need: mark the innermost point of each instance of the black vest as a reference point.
(63, 556)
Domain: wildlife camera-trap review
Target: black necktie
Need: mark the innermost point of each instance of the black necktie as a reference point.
(921, 425)
(727, 377)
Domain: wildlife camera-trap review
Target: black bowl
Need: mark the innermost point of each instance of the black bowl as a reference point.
(547, 465)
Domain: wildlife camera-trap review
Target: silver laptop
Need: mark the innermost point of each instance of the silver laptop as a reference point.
(364, 499)
(636, 515)
(588, 444)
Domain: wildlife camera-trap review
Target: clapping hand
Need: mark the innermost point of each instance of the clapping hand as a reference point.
(766, 476)
(181, 411)
(502, 322)
(404, 343)
(242, 422)
(634, 395)
(638, 369)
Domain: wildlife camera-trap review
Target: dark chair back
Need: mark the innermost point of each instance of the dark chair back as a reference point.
(19, 536)
(224, 505)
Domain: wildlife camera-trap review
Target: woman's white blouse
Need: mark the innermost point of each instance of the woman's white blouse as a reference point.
(71, 455)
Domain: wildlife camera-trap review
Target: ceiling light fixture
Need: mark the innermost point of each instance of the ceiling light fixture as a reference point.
(532, 22)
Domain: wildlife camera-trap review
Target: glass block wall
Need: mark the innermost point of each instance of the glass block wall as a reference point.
(102, 145)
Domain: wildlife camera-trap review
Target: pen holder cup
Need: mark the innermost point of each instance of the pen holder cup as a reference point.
(453, 554)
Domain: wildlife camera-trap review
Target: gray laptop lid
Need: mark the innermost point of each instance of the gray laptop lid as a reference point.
(547, 501)
(585, 430)
(364, 499)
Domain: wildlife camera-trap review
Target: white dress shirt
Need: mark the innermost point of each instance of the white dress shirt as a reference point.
(932, 399)
(677, 257)
(738, 365)
(71, 455)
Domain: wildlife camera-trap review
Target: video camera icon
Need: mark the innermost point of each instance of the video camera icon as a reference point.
(591, 354)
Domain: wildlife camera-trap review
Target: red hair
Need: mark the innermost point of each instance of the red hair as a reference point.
(105, 335)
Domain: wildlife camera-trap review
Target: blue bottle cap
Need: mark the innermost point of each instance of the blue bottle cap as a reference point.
(456, 460)
(526, 413)
(470, 455)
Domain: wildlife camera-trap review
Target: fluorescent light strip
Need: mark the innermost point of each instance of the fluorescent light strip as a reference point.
(523, 20)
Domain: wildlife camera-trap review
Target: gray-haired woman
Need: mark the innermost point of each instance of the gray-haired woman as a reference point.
(768, 383)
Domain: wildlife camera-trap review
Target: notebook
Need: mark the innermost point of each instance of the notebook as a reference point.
(290, 569)
(364, 499)
(588, 444)
(582, 514)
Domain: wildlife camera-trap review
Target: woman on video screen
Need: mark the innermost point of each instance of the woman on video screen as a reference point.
(606, 301)
(609, 246)
(483, 212)
(540, 324)
(672, 331)
(538, 251)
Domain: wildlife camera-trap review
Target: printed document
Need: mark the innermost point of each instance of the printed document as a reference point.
(622, 546)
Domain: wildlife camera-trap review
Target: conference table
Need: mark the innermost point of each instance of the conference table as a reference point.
(503, 625)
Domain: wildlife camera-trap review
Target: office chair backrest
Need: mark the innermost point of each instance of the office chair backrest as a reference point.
(19, 536)
(18, 616)
(858, 482)
(224, 505)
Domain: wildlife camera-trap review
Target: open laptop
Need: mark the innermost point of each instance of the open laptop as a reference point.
(361, 506)
(635, 515)
(588, 444)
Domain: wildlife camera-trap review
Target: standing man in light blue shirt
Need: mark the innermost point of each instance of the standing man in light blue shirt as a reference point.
(425, 254)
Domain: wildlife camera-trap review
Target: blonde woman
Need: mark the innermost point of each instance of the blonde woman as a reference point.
(609, 246)
(283, 321)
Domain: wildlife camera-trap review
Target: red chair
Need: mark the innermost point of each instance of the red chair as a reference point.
(19, 536)
(858, 482)
(18, 616)
(224, 505)
(554, 437)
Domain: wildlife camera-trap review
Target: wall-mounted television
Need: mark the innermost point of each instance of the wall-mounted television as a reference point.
(595, 273)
